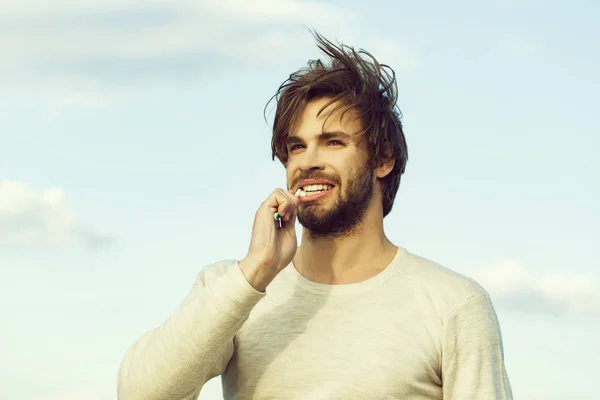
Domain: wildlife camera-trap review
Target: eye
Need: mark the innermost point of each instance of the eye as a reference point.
(335, 143)
(294, 147)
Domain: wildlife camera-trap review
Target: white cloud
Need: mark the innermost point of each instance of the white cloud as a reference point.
(29, 216)
(136, 30)
(50, 98)
(515, 286)
(277, 10)
(66, 53)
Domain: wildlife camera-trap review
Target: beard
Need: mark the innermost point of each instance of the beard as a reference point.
(347, 212)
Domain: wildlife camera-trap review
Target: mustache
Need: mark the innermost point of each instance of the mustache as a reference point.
(316, 176)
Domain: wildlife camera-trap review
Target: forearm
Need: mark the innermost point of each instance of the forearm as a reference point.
(174, 360)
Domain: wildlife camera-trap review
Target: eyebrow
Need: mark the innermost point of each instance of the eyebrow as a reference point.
(320, 137)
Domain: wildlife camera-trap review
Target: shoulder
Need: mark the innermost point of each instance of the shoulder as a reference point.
(445, 289)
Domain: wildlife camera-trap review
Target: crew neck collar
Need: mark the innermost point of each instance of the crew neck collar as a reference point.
(292, 273)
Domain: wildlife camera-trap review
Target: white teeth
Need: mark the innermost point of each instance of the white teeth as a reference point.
(313, 188)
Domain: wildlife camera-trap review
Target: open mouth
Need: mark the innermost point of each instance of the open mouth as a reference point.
(311, 190)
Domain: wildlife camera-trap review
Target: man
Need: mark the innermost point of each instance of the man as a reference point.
(347, 315)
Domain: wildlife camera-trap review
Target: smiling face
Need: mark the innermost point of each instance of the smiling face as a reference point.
(327, 162)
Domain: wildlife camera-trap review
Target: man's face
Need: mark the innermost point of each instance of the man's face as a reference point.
(328, 163)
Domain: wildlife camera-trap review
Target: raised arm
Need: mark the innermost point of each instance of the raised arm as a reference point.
(174, 361)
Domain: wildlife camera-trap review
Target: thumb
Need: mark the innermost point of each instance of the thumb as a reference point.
(290, 224)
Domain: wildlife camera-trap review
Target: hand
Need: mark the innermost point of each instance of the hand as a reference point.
(271, 248)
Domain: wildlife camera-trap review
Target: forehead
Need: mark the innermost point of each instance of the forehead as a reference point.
(311, 123)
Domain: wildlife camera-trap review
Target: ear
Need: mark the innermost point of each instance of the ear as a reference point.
(385, 167)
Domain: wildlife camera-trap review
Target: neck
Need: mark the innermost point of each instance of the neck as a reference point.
(348, 259)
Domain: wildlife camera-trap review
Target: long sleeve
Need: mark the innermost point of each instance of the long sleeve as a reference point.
(473, 355)
(173, 361)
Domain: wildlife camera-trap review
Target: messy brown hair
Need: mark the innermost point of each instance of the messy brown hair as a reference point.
(358, 83)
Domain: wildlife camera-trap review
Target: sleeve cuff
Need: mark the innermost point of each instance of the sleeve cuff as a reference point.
(240, 296)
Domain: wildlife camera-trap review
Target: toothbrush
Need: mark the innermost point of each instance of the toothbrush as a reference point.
(277, 217)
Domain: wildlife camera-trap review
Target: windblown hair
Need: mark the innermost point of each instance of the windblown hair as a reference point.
(358, 83)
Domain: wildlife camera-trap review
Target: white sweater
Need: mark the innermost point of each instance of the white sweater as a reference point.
(415, 331)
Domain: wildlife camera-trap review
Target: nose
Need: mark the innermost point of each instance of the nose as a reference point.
(310, 159)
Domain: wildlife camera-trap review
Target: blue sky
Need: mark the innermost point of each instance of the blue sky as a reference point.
(133, 152)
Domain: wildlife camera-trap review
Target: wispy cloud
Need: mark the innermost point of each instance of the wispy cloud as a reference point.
(514, 286)
(89, 161)
(90, 54)
(68, 35)
(41, 217)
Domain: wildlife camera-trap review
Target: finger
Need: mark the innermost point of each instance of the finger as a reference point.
(294, 193)
(275, 199)
(294, 198)
(290, 207)
(284, 203)
(289, 214)
(290, 224)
